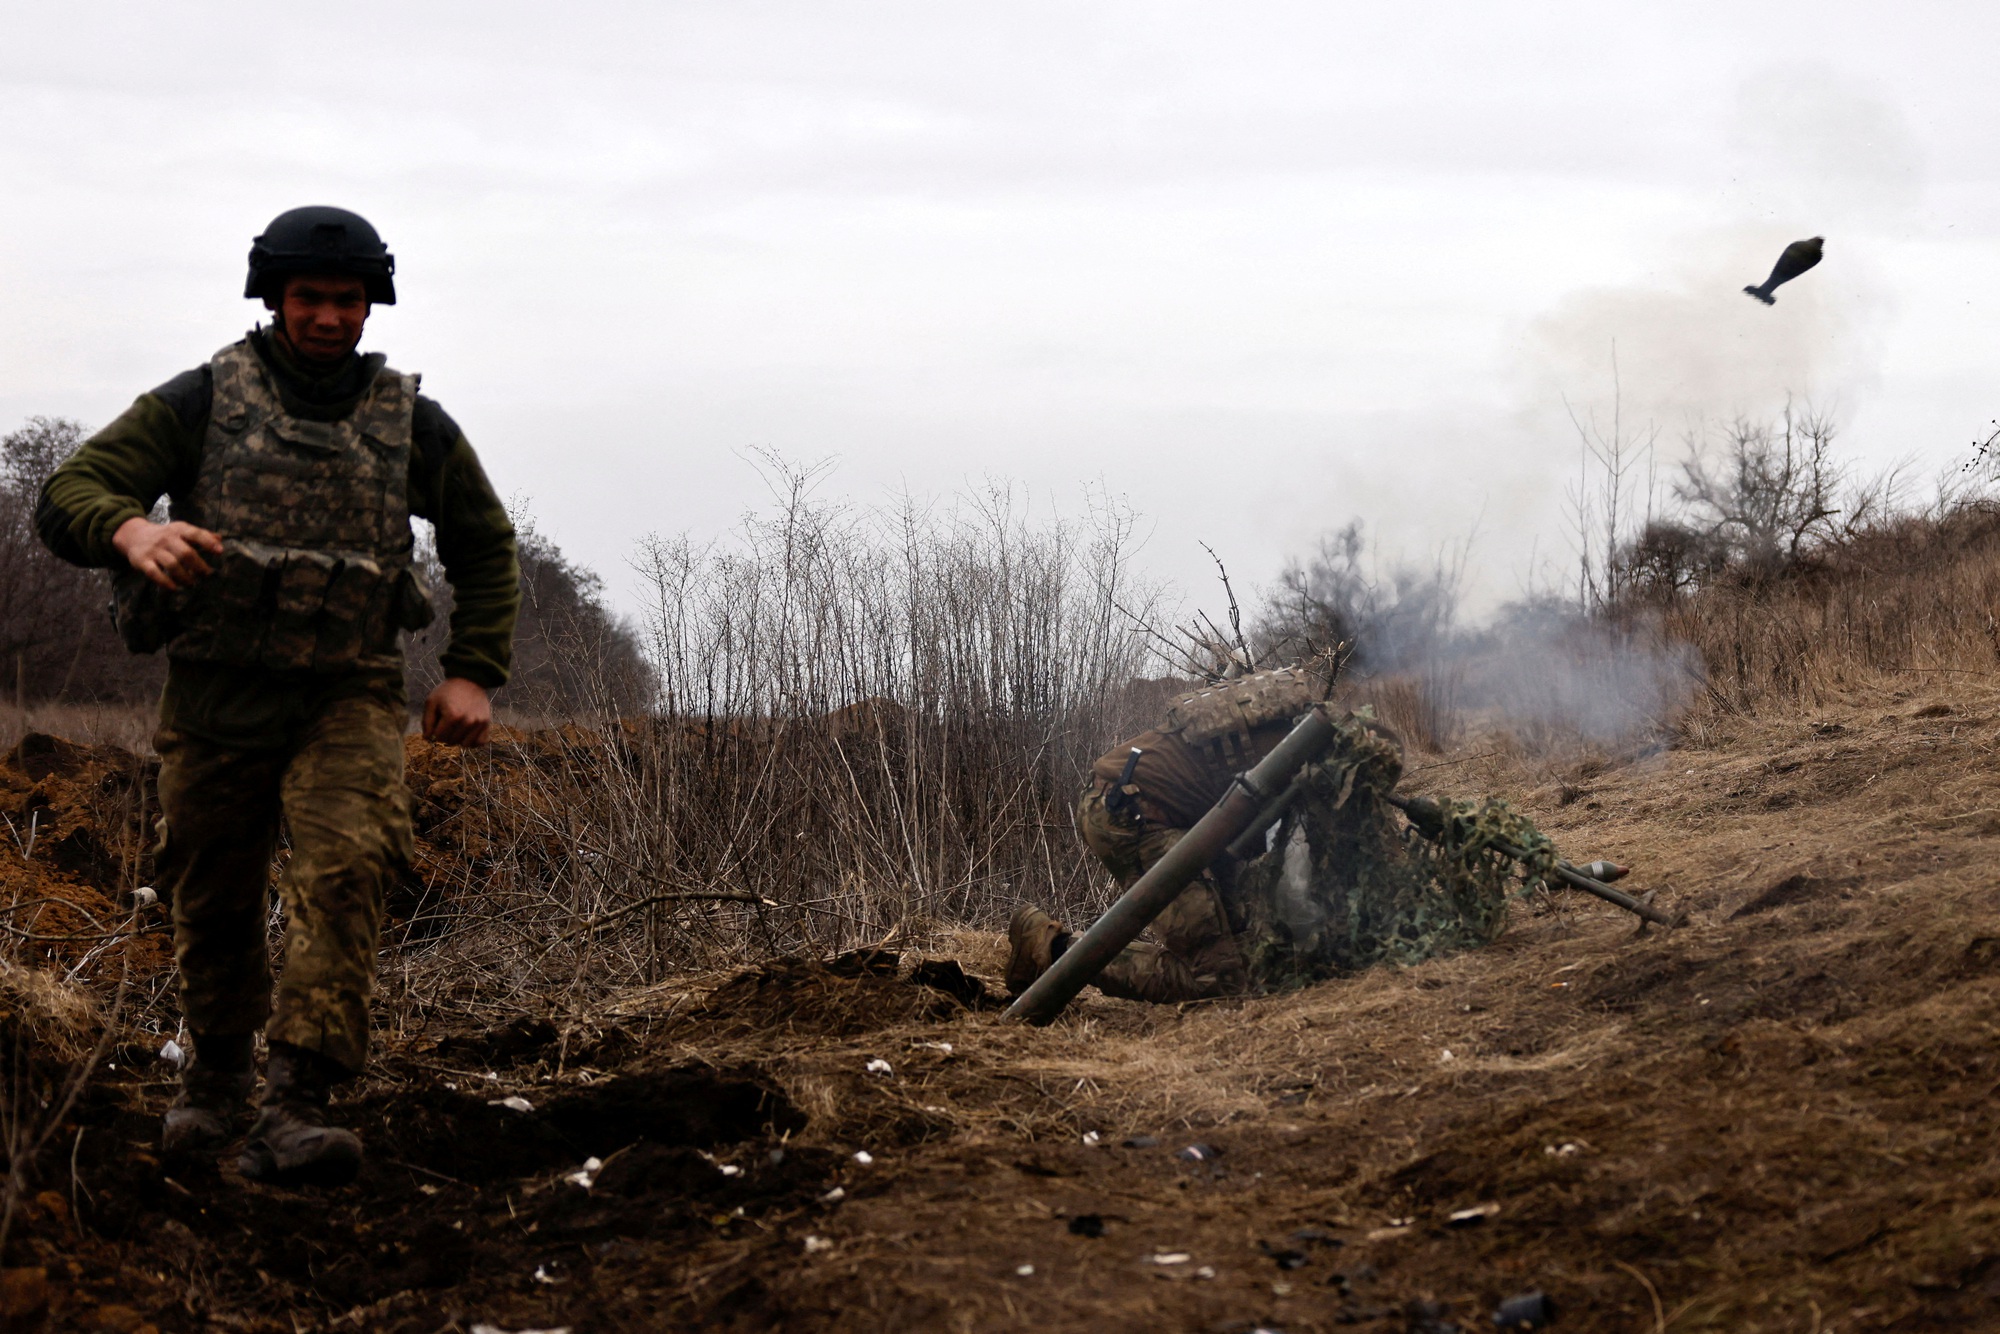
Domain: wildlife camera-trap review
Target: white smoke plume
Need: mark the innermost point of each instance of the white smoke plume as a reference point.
(1816, 154)
(1660, 361)
(1555, 680)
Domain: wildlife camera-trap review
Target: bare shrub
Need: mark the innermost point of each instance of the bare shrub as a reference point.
(572, 654)
(1389, 620)
(1790, 577)
(57, 644)
(1421, 705)
(1773, 492)
(1607, 501)
(868, 721)
(1756, 500)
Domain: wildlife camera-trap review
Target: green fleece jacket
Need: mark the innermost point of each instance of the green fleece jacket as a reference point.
(153, 449)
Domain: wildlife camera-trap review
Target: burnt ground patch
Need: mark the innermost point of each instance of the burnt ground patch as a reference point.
(480, 1137)
(462, 1196)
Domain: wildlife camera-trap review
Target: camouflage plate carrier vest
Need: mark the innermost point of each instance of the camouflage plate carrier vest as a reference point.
(1217, 722)
(314, 518)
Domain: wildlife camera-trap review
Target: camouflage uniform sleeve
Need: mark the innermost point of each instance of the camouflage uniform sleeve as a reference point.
(151, 449)
(475, 543)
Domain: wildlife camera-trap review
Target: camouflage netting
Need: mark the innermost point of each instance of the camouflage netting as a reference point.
(1349, 883)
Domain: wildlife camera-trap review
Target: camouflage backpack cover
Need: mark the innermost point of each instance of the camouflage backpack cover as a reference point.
(1237, 708)
(1216, 722)
(1348, 883)
(314, 516)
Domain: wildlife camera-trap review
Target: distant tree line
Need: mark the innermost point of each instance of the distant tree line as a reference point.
(572, 653)
(56, 637)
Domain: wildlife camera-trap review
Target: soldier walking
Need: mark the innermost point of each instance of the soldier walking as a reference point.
(278, 590)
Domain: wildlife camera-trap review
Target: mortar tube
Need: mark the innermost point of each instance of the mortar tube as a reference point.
(1162, 884)
(1250, 843)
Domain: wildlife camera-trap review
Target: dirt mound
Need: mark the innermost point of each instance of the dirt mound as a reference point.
(856, 993)
(77, 823)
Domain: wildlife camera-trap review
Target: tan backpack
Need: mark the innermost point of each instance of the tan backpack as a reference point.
(1234, 709)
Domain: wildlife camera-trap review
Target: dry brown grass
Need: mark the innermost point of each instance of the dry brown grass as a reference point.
(1422, 706)
(126, 725)
(867, 723)
(1737, 1090)
(1917, 596)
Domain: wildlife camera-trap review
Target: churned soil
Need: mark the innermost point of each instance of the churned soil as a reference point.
(74, 822)
(1778, 1117)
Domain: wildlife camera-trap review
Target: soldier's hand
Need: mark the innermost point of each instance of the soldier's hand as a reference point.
(169, 554)
(458, 713)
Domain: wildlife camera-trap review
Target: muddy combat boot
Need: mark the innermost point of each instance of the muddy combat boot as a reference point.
(291, 1144)
(1037, 939)
(214, 1101)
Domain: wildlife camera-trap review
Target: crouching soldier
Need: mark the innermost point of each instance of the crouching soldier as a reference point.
(1142, 797)
(278, 591)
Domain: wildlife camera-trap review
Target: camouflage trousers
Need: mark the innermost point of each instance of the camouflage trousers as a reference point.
(1195, 953)
(338, 791)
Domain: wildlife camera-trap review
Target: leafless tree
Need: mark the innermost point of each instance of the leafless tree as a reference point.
(1766, 492)
(56, 637)
(1390, 620)
(573, 654)
(1608, 500)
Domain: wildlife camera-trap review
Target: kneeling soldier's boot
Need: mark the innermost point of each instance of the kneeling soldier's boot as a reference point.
(291, 1143)
(1035, 937)
(214, 1101)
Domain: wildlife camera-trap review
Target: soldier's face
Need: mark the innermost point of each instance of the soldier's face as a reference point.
(322, 317)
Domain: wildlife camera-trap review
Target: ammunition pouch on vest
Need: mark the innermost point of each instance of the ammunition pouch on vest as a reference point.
(287, 610)
(314, 573)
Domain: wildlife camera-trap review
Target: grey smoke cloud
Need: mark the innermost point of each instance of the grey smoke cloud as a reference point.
(1555, 680)
(1816, 152)
(1690, 345)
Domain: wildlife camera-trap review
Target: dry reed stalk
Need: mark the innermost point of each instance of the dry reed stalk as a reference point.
(1918, 596)
(867, 723)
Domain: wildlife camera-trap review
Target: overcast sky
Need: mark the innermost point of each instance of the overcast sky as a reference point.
(1259, 268)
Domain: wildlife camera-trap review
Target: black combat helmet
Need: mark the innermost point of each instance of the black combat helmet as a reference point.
(321, 239)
